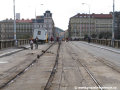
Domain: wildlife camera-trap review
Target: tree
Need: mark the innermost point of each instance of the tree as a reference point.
(105, 35)
(93, 35)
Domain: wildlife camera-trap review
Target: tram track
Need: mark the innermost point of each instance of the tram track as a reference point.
(104, 61)
(99, 82)
(76, 60)
(49, 82)
(11, 80)
(62, 72)
(73, 70)
(92, 76)
(63, 82)
(87, 70)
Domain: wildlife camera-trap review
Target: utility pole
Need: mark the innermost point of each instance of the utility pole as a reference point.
(14, 22)
(80, 28)
(75, 33)
(113, 24)
(89, 21)
(89, 17)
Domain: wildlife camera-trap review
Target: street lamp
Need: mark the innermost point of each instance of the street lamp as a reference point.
(80, 29)
(35, 12)
(89, 16)
(113, 23)
(35, 25)
(75, 33)
(14, 21)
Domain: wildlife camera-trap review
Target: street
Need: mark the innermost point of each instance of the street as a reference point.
(80, 64)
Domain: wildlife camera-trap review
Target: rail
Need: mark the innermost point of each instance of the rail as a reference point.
(24, 70)
(88, 71)
(11, 43)
(105, 42)
(49, 82)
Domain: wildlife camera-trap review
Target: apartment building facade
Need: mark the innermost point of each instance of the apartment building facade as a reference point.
(103, 24)
(82, 25)
(24, 29)
(117, 25)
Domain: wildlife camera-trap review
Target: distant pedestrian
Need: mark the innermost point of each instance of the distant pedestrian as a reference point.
(66, 39)
(51, 39)
(89, 39)
(31, 44)
(36, 43)
(16, 43)
(57, 39)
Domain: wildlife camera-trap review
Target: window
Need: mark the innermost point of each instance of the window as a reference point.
(39, 32)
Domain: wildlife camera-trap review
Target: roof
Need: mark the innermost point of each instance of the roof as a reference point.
(81, 15)
(39, 17)
(99, 16)
(102, 16)
(47, 11)
(24, 21)
(38, 20)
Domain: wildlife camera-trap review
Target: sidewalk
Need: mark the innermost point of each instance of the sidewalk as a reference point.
(116, 50)
(12, 50)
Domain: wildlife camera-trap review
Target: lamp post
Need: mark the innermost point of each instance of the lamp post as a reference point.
(14, 22)
(36, 16)
(89, 16)
(80, 30)
(113, 23)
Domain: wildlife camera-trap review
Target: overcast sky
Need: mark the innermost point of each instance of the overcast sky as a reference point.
(62, 10)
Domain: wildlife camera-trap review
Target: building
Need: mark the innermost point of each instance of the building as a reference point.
(117, 25)
(24, 29)
(49, 23)
(83, 25)
(6, 29)
(59, 33)
(46, 22)
(103, 25)
(66, 34)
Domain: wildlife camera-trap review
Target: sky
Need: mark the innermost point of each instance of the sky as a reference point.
(62, 10)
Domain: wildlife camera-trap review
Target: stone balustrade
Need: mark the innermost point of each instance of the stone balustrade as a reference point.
(11, 43)
(106, 42)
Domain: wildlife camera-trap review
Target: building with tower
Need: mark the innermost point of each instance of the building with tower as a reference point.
(24, 28)
(46, 22)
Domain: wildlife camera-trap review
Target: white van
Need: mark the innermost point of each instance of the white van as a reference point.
(41, 34)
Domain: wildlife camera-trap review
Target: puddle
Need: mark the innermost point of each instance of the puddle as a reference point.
(2, 62)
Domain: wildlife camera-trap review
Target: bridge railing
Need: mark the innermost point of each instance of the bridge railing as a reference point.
(106, 42)
(11, 43)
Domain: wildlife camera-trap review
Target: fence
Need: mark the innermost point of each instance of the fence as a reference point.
(11, 43)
